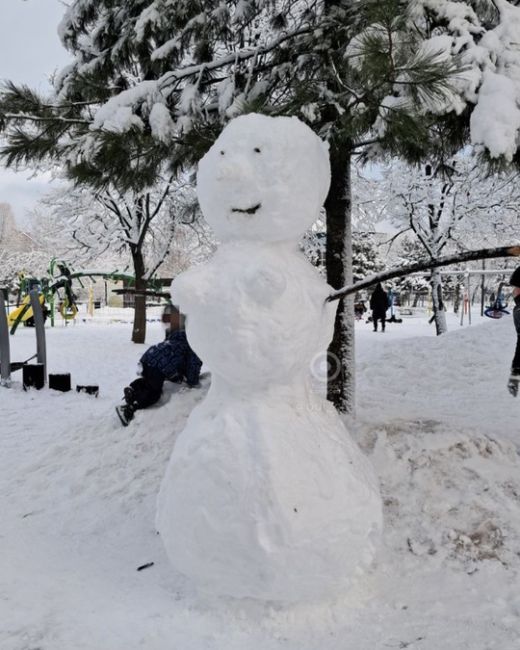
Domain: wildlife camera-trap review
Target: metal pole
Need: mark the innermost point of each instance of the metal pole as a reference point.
(468, 289)
(52, 308)
(483, 289)
(5, 354)
(462, 304)
(39, 325)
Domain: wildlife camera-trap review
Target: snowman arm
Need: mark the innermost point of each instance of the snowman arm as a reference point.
(191, 288)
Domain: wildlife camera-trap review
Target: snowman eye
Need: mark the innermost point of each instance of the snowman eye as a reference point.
(257, 150)
(222, 152)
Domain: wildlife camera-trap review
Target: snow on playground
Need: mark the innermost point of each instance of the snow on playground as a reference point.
(79, 495)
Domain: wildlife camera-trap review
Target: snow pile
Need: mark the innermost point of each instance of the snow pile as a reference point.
(265, 496)
(415, 381)
(79, 504)
(463, 506)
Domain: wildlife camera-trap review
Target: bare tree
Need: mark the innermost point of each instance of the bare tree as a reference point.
(140, 225)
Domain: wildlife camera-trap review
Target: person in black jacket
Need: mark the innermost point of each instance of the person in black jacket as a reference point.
(171, 360)
(514, 379)
(379, 305)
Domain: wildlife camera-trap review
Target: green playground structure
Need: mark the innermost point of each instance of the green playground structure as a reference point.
(58, 284)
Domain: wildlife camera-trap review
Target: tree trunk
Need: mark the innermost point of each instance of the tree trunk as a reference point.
(139, 329)
(338, 206)
(456, 300)
(439, 313)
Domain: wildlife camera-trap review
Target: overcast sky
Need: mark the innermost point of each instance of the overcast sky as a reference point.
(30, 52)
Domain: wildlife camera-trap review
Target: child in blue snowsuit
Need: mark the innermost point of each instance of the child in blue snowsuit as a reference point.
(171, 360)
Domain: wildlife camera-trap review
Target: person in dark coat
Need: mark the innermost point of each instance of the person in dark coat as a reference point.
(171, 360)
(379, 305)
(514, 379)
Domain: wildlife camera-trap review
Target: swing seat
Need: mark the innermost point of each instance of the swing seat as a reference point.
(18, 365)
(494, 312)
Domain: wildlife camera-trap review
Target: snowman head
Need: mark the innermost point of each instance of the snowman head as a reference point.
(264, 179)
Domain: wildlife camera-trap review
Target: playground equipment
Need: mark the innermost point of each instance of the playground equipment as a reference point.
(33, 374)
(498, 307)
(6, 365)
(56, 291)
(68, 311)
(24, 312)
(394, 316)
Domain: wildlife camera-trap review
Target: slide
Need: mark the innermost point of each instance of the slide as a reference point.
(22, 313)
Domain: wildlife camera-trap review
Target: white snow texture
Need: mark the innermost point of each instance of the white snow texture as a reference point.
(265, 495)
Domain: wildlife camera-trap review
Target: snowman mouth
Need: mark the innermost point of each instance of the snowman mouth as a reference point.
(247, 210)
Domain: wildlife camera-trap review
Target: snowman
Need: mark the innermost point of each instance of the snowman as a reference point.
(265, 496)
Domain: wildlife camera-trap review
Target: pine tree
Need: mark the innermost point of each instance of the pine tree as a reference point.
(410, 251)
(365, 256)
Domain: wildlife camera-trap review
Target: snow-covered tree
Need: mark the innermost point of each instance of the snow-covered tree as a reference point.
(313, 245)
(13, 265)
(435, 200)
(367, 209)
(19, 252)
(193, 243)
(429, 204)
(366, 259)
(139, 226)
(495, 219)
(410, 250)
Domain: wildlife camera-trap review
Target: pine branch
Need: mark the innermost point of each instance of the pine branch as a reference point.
(26, 117)
(242, 55)
(365, 143)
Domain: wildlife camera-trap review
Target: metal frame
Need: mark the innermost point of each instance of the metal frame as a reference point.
(39, 326)
(5, 353)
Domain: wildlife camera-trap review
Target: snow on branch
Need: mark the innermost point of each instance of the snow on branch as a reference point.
(490, 58)
(229, 59)
(118, 113)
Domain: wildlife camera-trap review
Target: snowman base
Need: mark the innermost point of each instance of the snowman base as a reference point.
(265, 499)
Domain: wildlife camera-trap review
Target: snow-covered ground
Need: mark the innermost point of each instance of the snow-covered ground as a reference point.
(78, 504)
